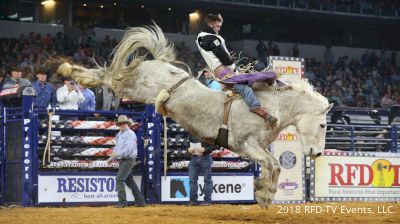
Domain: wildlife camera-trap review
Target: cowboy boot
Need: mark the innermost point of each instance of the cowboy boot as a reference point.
(269, 119)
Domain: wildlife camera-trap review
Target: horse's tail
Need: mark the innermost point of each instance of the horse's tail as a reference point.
(84, 76)
(150, 38)
(134, 48)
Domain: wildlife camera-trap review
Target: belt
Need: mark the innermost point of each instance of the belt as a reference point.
(223, 72)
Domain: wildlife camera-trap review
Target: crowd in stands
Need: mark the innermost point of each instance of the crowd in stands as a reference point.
(370, 81)
(21, 63)
(367, 6)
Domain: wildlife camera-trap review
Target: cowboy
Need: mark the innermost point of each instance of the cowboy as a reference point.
(125, 151)
(45, 91)
(15, 79)
(212, 47)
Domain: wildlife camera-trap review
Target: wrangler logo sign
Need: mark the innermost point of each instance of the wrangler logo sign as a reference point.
(357, 177)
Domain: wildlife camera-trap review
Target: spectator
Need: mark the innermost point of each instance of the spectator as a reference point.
(90, 102)
(47, 40)
(365, 59)
(16, 79)
(68, 96)
(209, 81)
(309, 74)
(44, 90)
(328, 55)
(261, 50)
(393, 59)
(277, 51)
(374, 60)
(387, 101)
(2, 79)
(106, 99)
(270, 49)
(394, 75)
(294, 51)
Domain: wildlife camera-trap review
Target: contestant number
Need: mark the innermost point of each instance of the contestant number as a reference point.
(288, 209)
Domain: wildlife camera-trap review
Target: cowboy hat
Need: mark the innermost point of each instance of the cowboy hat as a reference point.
(124, 119)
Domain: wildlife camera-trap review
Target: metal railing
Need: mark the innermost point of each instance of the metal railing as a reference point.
(383, 138)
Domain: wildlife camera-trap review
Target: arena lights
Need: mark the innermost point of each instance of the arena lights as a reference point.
(48, 2)
(194, 16)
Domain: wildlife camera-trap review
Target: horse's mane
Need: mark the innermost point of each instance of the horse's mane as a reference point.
(307, 88)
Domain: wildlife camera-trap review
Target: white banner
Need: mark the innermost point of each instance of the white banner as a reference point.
(359, 176)
(287, 149)
(291, 69)
(77, 188)
(225, 188)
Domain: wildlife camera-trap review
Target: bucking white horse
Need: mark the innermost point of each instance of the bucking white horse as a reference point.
(143, 65)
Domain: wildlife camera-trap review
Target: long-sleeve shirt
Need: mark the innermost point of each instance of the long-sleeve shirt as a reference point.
(126, 145)
(45, 95)
(212, 84)
(69, 100)
(90, 100)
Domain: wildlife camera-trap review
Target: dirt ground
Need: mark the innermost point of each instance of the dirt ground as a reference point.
(219, 213)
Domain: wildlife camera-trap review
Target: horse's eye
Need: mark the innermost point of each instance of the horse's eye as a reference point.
(322, 125)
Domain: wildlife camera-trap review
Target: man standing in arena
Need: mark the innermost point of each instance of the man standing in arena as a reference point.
(201, 162)
(125, 151)
(212, 47)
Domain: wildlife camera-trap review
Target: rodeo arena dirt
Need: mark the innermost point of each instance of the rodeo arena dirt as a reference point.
(111, 113)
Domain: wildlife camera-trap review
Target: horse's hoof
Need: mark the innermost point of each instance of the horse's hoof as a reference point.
(268, 202)
(260, 199)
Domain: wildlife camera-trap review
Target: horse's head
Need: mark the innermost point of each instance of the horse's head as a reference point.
(312, 130)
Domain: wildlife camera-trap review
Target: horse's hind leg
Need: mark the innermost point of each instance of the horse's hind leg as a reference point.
(262, 184)
(275, 176)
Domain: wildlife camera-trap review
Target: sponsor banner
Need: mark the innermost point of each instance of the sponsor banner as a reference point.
(77, 188)
(82, 164)
(340, 176)
(9, 91)
(291, 69)
(287, 149)
(230, 165)
(225, 188)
